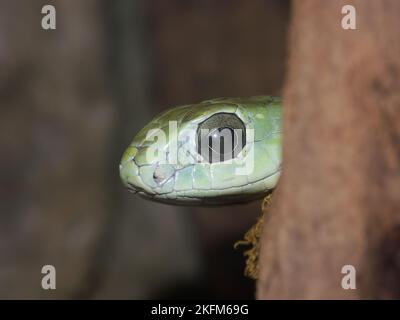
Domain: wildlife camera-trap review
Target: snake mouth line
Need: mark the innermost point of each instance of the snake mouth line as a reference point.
(159, 197)
(134, 189)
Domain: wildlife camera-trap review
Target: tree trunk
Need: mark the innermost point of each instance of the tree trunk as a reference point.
(338, 201)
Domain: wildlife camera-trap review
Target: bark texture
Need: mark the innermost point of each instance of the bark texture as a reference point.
(338, 202)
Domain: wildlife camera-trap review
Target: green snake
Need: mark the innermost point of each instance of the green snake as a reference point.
(216, 152)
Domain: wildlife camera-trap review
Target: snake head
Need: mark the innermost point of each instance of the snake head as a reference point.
(219, 151)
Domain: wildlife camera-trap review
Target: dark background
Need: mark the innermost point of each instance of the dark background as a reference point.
(71, 101)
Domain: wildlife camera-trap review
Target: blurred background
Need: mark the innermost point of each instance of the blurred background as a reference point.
(71, 101)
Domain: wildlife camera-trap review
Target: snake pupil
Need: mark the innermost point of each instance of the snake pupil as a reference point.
(221, 137)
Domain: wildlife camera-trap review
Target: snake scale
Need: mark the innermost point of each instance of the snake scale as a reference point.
(216, 152)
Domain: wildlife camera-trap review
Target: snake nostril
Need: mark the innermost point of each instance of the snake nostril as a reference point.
(162, 173)
(158, 176)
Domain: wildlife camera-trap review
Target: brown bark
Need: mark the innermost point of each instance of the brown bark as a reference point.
(338, 199)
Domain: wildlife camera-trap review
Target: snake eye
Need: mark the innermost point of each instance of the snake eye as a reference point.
(221, 137)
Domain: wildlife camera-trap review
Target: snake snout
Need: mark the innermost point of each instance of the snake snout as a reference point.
(130, 172)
